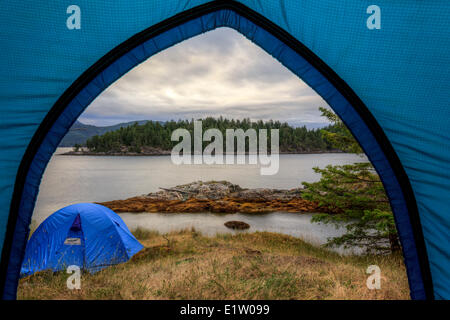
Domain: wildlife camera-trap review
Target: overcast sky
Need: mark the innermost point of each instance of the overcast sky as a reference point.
(217, 73)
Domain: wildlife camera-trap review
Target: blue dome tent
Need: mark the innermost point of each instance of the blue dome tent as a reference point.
(87, 235)
(390, 85)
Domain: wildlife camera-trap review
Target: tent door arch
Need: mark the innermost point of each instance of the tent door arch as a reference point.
(73, 250)
(275, 41)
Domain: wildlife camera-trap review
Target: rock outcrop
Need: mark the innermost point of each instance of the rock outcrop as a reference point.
(237, 225)
(216, 197)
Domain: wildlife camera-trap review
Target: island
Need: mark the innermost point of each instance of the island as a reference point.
(154, 138)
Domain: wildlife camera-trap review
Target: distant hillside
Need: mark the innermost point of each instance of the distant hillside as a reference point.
(80, 132)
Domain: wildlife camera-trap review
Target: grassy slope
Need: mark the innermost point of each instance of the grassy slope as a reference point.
(187, 265)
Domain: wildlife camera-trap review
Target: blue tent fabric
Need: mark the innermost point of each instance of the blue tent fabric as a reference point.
(400, 73)
(87, 235)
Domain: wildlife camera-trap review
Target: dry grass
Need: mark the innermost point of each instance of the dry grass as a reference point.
(261, 265)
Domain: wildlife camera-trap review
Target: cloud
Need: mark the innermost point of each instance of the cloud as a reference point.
(217, 73)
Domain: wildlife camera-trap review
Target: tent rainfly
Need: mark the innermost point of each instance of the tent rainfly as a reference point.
(89, 236)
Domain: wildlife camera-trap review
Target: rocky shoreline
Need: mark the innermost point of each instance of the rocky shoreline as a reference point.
(147, 151)
(150, 151)
(215, 197)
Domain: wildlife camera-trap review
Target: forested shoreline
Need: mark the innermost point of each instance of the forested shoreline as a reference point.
(155, 137)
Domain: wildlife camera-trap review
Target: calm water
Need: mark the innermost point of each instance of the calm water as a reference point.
(297, 225)
(73, 179)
